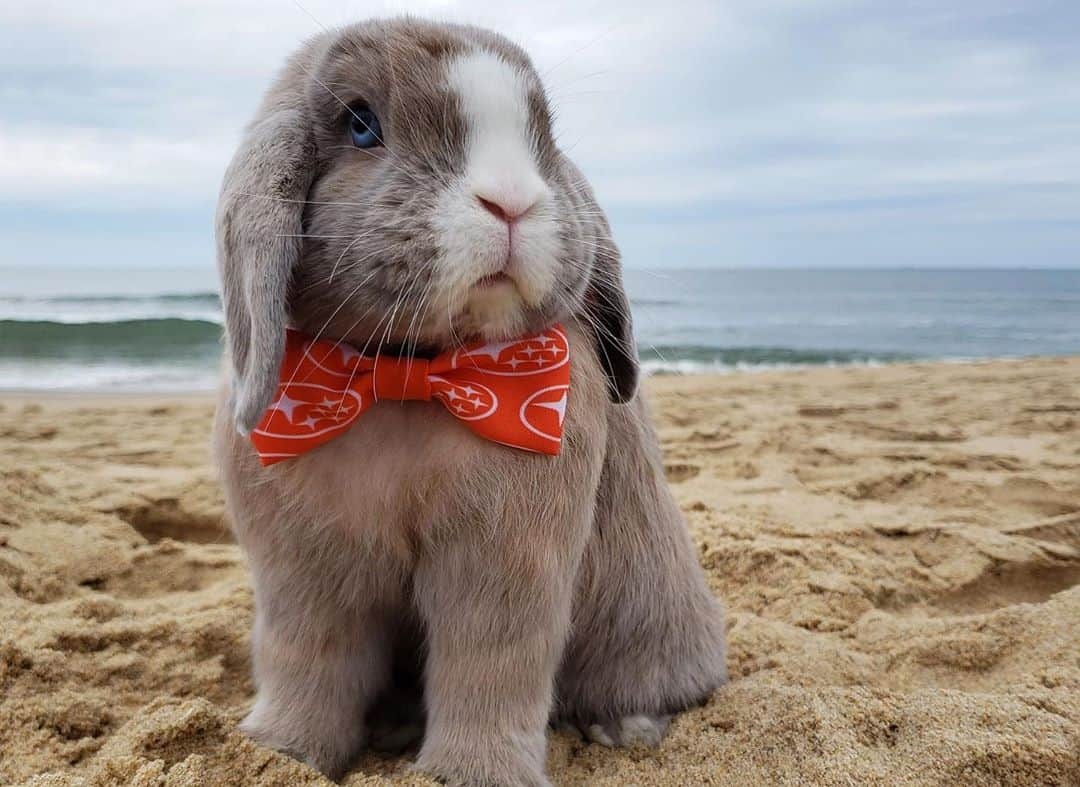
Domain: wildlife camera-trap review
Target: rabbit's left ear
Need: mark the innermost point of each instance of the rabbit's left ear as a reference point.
(259, 227)
(609, 315)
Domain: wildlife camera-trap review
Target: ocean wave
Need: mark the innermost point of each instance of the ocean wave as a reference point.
(207, 298)
(78, 309)
(182, 354)
(147, 340)
(110, 376)
(700, 359)
(159, 339)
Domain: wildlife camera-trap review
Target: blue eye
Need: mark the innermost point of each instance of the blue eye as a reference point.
(364, 128)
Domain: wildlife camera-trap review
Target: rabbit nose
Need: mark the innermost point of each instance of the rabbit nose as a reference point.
(496, 210)
(506, 207)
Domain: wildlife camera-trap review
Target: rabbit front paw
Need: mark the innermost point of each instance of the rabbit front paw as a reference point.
(330, 757)
(636, 730)
(498, 767)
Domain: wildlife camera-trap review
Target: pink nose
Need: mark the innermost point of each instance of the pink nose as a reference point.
(504, 210)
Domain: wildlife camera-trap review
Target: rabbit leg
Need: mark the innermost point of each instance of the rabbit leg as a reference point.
(648, 635)
(319, 662)
(497, 609)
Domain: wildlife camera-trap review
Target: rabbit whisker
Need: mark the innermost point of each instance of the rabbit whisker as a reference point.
(305, 235)
(294, 201)
(390, 323)
(411, 349)
(329, 319)
(349, 245)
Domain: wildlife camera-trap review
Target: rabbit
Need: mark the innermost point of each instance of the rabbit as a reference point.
(400, 190)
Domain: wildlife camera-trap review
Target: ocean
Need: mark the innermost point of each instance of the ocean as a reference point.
(160, 329)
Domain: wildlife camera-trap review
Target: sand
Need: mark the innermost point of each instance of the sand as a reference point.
(899, 549)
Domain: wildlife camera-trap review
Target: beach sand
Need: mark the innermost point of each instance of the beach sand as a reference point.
(898, 548)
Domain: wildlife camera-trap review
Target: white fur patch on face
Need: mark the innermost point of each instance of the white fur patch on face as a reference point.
(500, 161)
(500, 168)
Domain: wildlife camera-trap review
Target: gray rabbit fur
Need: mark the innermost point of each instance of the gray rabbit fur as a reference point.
(516, 589)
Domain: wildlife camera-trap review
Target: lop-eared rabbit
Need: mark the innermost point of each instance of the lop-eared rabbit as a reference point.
(400, 190)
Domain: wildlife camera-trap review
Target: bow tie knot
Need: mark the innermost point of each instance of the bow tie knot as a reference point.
(401, 379)
(514, 393)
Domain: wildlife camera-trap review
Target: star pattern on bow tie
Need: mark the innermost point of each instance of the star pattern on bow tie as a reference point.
(512, 392)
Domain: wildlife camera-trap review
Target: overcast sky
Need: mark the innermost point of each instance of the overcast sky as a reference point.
(750, 133)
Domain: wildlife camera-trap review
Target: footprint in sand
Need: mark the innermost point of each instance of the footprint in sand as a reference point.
(677, 473)
(191, 515)
(169, 567)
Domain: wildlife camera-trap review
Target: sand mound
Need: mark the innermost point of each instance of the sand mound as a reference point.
(899, 549)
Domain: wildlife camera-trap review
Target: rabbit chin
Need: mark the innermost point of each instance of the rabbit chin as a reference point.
(495, 312)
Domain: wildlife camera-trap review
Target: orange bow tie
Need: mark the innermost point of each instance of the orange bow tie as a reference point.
(512, 393)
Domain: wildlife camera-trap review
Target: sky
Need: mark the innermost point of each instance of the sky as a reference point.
(754, 133)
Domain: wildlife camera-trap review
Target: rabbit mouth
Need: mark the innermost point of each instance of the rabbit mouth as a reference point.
(493, 280)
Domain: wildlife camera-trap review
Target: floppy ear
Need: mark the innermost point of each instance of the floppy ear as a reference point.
(609, 314)
(258, 224)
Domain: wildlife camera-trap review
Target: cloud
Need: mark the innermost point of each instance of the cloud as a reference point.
(750, 132)
(85, 164)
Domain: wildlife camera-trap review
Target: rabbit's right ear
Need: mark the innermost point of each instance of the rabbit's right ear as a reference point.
(258, 227)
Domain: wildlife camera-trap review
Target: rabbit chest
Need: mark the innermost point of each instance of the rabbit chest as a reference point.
(406, 469)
